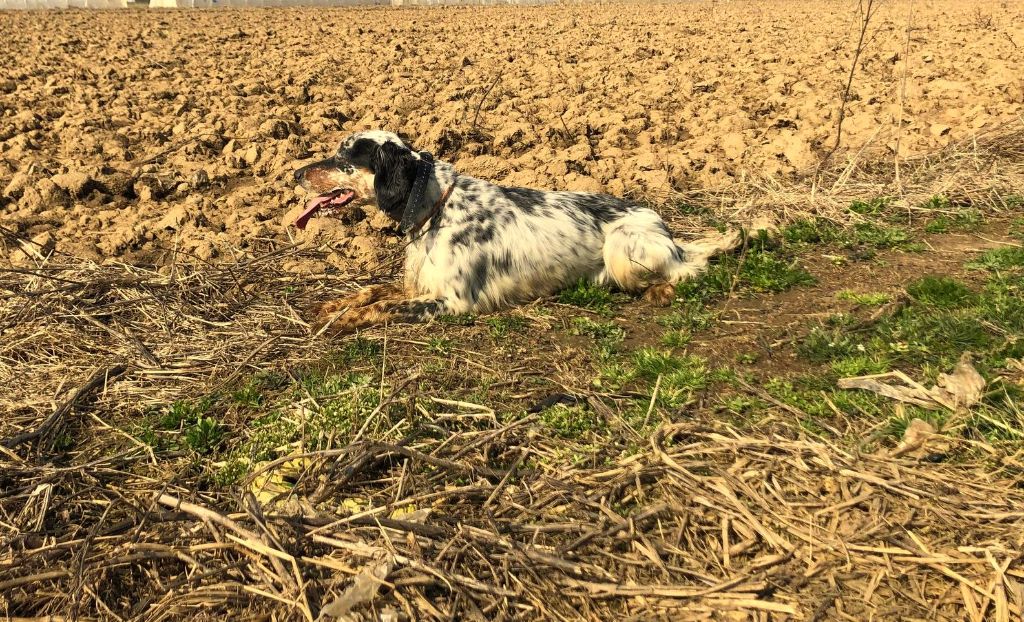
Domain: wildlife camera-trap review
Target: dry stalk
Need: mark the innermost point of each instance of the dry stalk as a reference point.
(903, 94)
(867, 9)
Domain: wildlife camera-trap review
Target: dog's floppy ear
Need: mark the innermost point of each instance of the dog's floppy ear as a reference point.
(399, 181)
(394, 173)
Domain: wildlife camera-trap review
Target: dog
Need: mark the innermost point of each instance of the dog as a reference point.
(473, 246)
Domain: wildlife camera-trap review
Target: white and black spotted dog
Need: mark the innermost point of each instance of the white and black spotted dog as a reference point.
(475, 247)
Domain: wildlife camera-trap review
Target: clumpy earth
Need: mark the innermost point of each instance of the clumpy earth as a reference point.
(141, 134)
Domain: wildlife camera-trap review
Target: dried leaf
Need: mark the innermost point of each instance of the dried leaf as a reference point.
(915, 438)
(269, 485)
(363, 590)
(959, 390)
(964, 386)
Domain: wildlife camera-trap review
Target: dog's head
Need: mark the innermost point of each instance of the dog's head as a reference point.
(369, 167)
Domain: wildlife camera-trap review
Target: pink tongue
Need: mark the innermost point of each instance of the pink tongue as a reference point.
(316, 203)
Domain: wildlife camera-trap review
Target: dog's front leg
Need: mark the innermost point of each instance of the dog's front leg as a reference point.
(363, 297)
(378, 313)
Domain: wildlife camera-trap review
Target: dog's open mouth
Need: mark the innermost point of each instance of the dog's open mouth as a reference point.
(325, 204)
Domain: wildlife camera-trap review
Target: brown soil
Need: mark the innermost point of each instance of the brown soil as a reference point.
(131, 134)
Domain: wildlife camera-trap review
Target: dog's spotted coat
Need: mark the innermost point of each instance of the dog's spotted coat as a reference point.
(487, 246)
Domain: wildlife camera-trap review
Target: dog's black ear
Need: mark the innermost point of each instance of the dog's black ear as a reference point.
(400, 182)
(394, 173)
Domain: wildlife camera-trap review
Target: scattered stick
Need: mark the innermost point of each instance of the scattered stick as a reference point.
(98, 379)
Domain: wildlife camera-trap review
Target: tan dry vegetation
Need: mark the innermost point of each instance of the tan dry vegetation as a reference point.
(475, 511)
(171, 284)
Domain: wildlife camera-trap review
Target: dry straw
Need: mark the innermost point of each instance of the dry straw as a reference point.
(702, 522)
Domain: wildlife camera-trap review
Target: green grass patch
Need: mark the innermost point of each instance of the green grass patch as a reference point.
(860, 365)
(943, 318)
(941, 291)
(354, 351)
(868, 299)
(184, 411)
(865, 235)
(587, 295)
(676, 339)
(203, 435)
(335, 406)
(879, 236)
(871, 207)
(688, 316)
(569, 421)
(1005, 258)
(606, 335)
(680, 375)
(192, 424)
(439, 346)
(760, 269)
(966, 220)
(937, 202)
(501, 326)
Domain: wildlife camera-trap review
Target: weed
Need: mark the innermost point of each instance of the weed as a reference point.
(860, 365)
(501, 326)
(439, 346)
(759, 270)
(231, 472)
(607, 335)
(649, 363)
(690, 317)
(806, 231)
(587, 295)
(937, 202)
(878, 236)
(599, 331)
(943, 319)
(569, 421)
(941, 292)
(613, 374)
(765, 272)
(252, 394)
(356, 350)
(822, 345)
(680, 375)
(741, 404)
(871, 207)
(872, 299)
(183, 411)
(967, 220)
(1004, 258)
(203, 435)
(676, 339)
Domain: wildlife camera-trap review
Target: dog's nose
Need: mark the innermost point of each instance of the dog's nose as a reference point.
(299, 173)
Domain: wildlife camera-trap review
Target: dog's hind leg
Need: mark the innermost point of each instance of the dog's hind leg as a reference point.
(384, 312)
(363, 297)
(640, 255)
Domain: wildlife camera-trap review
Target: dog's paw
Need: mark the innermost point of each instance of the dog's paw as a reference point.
(661, 294)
